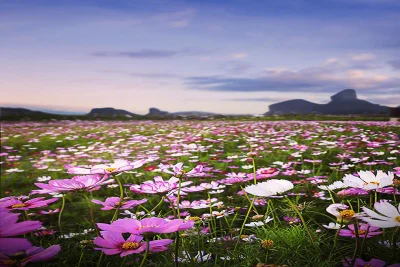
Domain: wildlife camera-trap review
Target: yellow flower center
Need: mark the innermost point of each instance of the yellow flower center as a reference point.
(148, 226)
(377, 183)
(110, 169)
(397, 219)
(119, 203)
(130, 245)
(194, 218)
(361, 232)
(267, 244)
(17, 206)
(345, 214)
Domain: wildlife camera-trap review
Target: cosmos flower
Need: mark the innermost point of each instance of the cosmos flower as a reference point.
(369, 181)
(333, 226)
(201, 256)
(30, 254)
(364, 231)
(269, 188)
(341, 212)
(16, 204)
(388, 215)
(178, 171)
(118, 166)
(352, 192)
(113, 202)
(260, 223)
(158, 186)
(147, 225)
(334, 186)
(76, 183)
(360, 263)
(112, 243)
(10, 227)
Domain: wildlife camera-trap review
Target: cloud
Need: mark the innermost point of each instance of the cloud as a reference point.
(240, 55)
(395, 63)
(260, 99)
(148, 53)
(177, 19)
(328, 77)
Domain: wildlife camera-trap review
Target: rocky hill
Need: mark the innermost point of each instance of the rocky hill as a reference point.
(110, 112)
(343, 103)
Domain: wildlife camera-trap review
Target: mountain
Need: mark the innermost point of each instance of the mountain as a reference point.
(15, 112)
(110, 112)
(157, 112)
(343, 103)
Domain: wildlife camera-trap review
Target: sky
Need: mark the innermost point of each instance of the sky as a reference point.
(232, 56)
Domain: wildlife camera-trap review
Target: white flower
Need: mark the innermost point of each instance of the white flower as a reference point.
(269, 188)
(200, 257)
(332, 225)
(343, 215)
(256, 224)
(43, 179)
(389, 217)
(335, 185)
(247, 167)
(368, 181)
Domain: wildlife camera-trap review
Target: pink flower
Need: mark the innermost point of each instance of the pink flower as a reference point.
(11, 246)
(113, 202)
(364, 231)
(32, 254)
(49, 211)
(352, 192)
(147, 225)
(264, 173)
(159, 186)
(360, 263)
(16, 204)
(178, 171)
(10, 227)
(76, 183)
(119, 165)
(113, 243)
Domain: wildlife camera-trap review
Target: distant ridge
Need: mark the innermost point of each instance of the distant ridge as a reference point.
(107, 112)
(343, 103)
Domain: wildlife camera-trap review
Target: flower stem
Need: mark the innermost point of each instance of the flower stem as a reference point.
(146, 253)
(244, 222)
(302, 220)
(176, 249)
(121, 196)
(353, 259)
(61, 211)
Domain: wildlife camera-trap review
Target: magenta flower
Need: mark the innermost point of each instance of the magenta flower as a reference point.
(360, 263)
(113, 202)
(147, 225)
(264, 173)
(76, 183)
(364, 231)
(113, 243)
(159, 186)
(178, 171)
(11, 246)
(31, 254)
(16, 204)
(352, 192)
(10, 227)
(119, 165)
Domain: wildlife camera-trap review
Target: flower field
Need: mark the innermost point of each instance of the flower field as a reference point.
(200, 193)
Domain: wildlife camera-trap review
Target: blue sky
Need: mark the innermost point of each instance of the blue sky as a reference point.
(220, 56)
